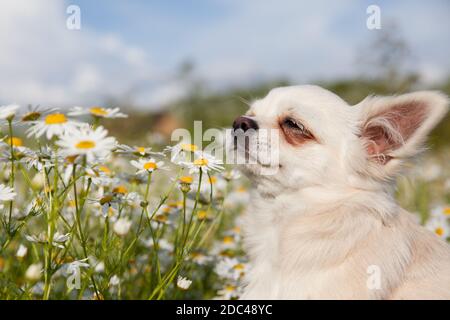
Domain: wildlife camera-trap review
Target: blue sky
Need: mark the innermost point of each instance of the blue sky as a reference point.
(132, 49)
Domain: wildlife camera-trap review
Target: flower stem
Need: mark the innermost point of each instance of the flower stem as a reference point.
(197, 197)
(80, 229)
(51, 217)
(12, 176)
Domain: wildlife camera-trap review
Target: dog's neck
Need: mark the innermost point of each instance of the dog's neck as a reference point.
(318, 199)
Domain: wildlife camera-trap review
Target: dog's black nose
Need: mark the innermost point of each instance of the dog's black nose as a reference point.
(244, 123)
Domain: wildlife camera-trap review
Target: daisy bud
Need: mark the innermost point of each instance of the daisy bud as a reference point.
(144, 204)
(185, 183)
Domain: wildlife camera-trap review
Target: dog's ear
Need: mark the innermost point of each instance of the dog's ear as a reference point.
(396, 127)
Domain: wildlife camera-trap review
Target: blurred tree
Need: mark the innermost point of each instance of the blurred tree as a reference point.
(386, 58)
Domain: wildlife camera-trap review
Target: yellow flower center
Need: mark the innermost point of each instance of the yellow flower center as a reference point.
(439, 231)
(212, 180)
(71, 159)
(230, 288)
(447, 211)
(228, 240)
(161, 218)
(186, 179)
(98, 111)
(120, 189)
(189, 147)
(15, 142)
(241, 189)
(55, 118)
(201, 162)
(175, 204)
(71, 203)
(31, 116)
(104, 169)
(85, 144)
(166, 209)
(110, 212)
(141, 150)
(239, 267)
(150, 166)
(237, 229)
(106, 199)
(201, 215)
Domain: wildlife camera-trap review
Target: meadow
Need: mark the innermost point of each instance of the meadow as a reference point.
(85, 216)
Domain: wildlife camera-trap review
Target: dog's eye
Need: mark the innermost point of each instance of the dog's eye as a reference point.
(292, 124)
(294, 127)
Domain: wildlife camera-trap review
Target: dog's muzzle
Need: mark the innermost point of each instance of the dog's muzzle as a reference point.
(244, 123)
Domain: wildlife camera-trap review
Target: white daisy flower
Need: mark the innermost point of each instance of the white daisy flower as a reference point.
(218, 185)
(8, 112)
(35, 113)
(228, 242)
(88, 142)
(133, 199)
(114, 281)
(183, 283)
(102, 176)
(58, 239)
(97, 112)
(54, 124)
(237, 197)
(122, 226)
(77, 264)
(38, 160)
(203, 161)
(6, 193)
(232, 174)
(146, 165)
(200, 258)
(231, 268)
(15, 142)
(137, 151)
(439, 226)
(230, 291)
(181, 152)
(162, 244)
(441, 211)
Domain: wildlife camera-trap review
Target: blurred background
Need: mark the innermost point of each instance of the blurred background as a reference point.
(167, 63)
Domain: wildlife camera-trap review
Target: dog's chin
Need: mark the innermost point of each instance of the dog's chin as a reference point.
(260, 169)
(255, 164)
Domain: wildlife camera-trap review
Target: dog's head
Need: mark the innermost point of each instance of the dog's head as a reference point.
(316, 138)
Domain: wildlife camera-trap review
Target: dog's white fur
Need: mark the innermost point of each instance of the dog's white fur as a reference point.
(315, 228)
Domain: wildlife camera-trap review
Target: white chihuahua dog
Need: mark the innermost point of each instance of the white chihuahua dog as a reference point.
(324, 224)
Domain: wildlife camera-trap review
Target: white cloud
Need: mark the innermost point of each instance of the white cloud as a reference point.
(274, 38)
(312, 41)
(43, 62)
